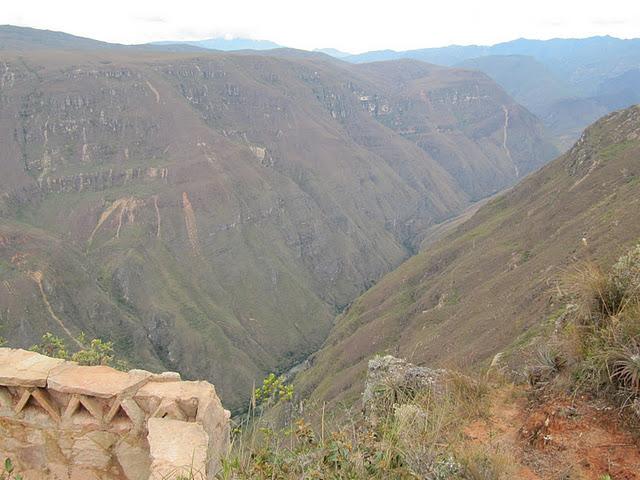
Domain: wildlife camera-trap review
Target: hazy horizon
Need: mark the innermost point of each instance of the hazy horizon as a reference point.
(353, 27)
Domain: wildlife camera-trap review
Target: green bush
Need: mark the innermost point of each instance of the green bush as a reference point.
(8, 471)
(95, 352)
(273, 390)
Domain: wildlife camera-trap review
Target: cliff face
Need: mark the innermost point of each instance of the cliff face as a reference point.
(471, 294)
(62, 421)
(216, 210)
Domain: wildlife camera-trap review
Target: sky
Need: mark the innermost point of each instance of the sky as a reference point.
(350, 25)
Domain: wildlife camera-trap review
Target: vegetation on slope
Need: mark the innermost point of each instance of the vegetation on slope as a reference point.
(210, 213)
(595, 345)
(514, 419)
(466, 297)
(414, 434)
(93, 352)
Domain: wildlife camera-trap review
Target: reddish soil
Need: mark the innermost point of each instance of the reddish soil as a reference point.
(559, 437)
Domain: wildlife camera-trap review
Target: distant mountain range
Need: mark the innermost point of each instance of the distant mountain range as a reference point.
(225, 44)
(568, 83)
(333, 52)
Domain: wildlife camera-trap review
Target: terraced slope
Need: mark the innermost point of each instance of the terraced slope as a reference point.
(489, 280)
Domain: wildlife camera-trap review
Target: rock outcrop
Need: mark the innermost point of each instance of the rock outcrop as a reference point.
(65, 421)
(392, 381)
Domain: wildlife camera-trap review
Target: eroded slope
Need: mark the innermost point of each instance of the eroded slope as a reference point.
(472, 293)
(210, 213)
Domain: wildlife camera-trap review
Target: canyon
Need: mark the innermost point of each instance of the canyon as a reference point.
(208, 210)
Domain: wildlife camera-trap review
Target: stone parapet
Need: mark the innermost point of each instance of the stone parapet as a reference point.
(63, 421)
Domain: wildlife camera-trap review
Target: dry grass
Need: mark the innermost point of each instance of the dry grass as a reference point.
(598, 347)
(416, 436)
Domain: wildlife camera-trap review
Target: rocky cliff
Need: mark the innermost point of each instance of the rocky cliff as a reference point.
(209, 210)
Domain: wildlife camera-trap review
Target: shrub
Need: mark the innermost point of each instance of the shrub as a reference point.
(550, 361)
(273, 390)
(410, 438)
(95, 352)
(51, 346)
(625, 277)
(8, 471)
(625, 368)
(603, 335)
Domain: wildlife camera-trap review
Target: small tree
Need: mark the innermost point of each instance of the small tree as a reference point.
(96, 353)
(273, 390)
(51, 346)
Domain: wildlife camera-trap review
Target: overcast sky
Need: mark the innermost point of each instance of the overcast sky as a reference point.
(349, 25)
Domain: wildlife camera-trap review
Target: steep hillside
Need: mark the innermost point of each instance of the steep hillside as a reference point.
(210, 213)
(529, 81)
(475, 291)
(568, 83)
(447, 113)
(620, 91)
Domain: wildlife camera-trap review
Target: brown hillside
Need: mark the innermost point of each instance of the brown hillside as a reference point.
(210, 212)
(474, 292)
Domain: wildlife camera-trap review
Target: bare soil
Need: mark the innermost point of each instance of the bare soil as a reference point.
(559, 437)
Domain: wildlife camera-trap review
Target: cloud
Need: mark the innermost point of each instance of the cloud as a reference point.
(151, 19)
(610, 21)
(352, 25)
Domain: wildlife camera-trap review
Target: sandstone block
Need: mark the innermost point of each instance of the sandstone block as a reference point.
(92, 450)
(187, 395)
(99, 381)
(133, 459)
(24, 368)
(177, 448)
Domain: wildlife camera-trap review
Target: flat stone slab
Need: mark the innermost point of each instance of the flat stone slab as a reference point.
(181, 391)
(25, 369)
(98, 381)
(177, 448)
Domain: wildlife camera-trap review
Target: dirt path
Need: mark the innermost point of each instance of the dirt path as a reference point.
(158, 218)
(558, 437)
(153, 89)
(505, 138)
(38, 277)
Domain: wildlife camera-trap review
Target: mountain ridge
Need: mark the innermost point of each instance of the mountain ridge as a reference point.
(560, 80)
(220, 208)
(487, 283)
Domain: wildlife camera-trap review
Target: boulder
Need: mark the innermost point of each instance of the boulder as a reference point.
(392, 380)
(133, 460)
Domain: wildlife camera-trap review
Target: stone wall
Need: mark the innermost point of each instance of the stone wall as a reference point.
(62, 421)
